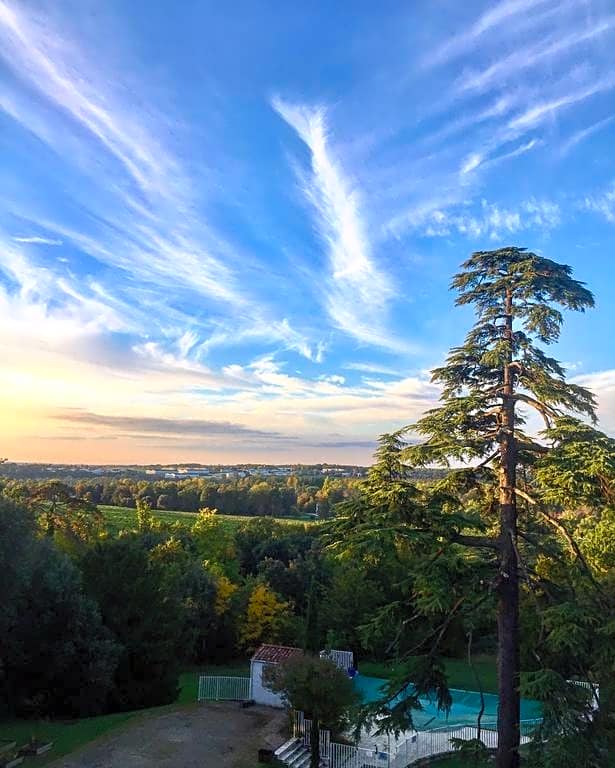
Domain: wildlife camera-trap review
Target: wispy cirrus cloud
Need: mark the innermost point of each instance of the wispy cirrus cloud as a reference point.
(602, 203)
(48, 307)
(39, 53)
(36, 240)
(372, 368)
(477, 160)
(491, 220)
(584, 133)
(143, 216)
(498, 14)
(539, 112)
(536, 112)
(508, 82)
(158, 234)
(530, 57)
(358, 291)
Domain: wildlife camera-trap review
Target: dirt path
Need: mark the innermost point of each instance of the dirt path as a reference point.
(207, 736)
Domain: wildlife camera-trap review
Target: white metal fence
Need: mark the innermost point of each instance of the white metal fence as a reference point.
(343, 659)
(438, 741)
(219, 688)
(402, 752)
(337, 755)
(592, 688)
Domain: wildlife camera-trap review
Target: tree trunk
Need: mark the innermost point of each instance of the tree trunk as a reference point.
(508, 603)
(315, 743)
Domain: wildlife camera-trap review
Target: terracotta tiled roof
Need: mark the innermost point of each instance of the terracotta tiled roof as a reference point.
(274, 654)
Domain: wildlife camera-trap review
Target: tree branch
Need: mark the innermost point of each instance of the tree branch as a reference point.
(478, 542)
(545, 411)
(557, 524)
(525, 496)
(487, 460)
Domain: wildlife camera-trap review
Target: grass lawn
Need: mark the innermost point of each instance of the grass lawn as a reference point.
(235, 668)
(117, 518)
(66, 735)
(69, 735)
(460, 674)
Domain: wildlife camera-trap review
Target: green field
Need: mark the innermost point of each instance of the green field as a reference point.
(117, 518)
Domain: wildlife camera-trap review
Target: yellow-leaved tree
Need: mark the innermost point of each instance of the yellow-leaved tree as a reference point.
(224, 591)
(266, 615)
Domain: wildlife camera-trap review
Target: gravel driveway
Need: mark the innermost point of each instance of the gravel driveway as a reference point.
(213, 735)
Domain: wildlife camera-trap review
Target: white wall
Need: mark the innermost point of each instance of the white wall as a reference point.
(260, 694)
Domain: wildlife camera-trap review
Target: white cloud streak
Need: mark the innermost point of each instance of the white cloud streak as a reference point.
(499, 72)
(583, 134)
(36, 240)
(538, 113)
(357, 291)
(496, 16)
(476, 160)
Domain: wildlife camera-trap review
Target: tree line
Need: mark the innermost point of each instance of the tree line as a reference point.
(275, 497)
(112, 619)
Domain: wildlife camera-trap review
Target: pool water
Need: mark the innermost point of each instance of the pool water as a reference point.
(464, 711)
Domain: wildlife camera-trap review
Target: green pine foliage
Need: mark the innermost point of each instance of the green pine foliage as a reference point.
(495, 531)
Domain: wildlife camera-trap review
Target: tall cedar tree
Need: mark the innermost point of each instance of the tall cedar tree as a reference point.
(484, 382)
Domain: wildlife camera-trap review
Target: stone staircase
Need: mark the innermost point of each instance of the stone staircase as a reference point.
(294, 753)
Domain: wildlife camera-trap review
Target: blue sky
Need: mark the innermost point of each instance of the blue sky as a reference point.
(227, 231)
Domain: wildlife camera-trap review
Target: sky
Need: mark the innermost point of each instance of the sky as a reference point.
(227, 230)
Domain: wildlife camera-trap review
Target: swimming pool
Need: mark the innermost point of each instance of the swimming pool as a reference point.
(464, 711)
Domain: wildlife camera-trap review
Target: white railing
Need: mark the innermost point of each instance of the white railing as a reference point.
(422, 744)
(349, 756)
(337, 755)
(342, 659)
(401, 752)
(593, 689)
(220, 688)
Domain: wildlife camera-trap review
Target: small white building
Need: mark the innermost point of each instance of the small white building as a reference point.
(269, 655)
(266, 656)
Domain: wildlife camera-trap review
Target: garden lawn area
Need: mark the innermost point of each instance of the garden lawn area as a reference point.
(460, 674)
(66, 735)
(117, 518)
(69, 735)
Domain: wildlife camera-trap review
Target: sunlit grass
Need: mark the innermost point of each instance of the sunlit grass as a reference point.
(118, 518)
